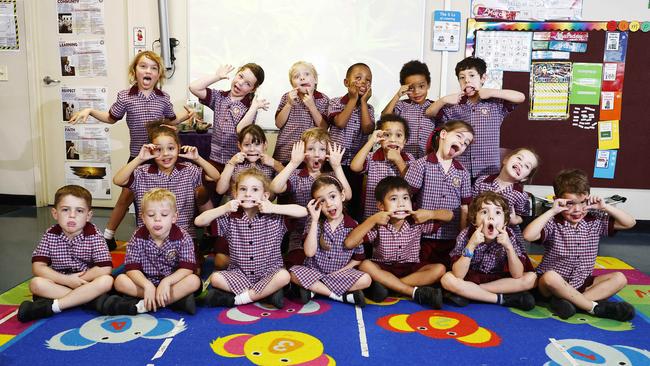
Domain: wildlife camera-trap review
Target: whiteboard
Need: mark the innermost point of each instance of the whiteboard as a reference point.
(331, 34)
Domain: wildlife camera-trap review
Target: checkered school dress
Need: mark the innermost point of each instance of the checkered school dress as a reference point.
(298, 121)
(399, 246)
(254, 246)
(377, 167)
(84, 251)
(140, 110)
(324, 265)
(351, 137)
(435, 189)
(227, 114)
(420, 126)
(157, 262)
(482, 157)
(571, 251)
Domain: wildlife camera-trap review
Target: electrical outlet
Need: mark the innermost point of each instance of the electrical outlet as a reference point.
(4, 73)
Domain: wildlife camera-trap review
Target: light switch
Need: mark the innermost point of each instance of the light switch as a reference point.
(4, 73)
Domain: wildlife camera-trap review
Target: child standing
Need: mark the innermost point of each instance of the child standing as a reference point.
(312, 152)
(71, 263)
(329, 267)
(182, 179)
(482, 108)
(441, 182)
(300, 109)
(142, 103)
(389, 160)
(253, 227)
(352, 119)
(395, 235)
(159, 262)
(487, 266)
(414, 79)
(519, 166)
(570, 233)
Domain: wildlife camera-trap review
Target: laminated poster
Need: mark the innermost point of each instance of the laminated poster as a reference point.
(95, 177)
(83, 57)
(605, 164)
(87, 143)
(74, 99)
(608, 136)
(81, 16)
(585, 83)
(505, 51)
(549, 90)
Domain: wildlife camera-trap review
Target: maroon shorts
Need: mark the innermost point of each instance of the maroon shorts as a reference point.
(480, 277)
(437, 251)
(294, 257)
(221, 245)
(588, 282)
(401, 269)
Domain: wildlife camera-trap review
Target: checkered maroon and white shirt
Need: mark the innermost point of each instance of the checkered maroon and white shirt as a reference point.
(488, 257)
(377, 168)
(399, 246)
(482, 157)
(298, 121)
(351, 137)
(338, 256)
(183, 181)
(78, 254)
(157, 262)
(420, 126)
(227, 114)
(434, 189)
(571, 251)
(140, 110)
(254, 244)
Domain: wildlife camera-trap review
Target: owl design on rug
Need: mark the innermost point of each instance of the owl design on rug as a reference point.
(254, 312)
(582, 352)
(611, 325)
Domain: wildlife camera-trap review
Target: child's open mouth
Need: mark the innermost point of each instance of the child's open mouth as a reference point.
(392, 146)
(490, 229)
(332, 212)
(71, 224)
(400, 213)
(317, 164)
(469, 90)
(453, 150)
(517, 169)
(157, 227)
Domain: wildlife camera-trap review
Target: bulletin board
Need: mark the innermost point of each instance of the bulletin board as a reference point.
(559, 142)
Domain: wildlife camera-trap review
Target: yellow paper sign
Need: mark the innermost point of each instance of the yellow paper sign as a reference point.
(608, 135)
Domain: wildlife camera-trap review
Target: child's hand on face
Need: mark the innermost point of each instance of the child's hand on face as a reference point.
(237, 158)
(377, 136)
(314, 207)
(148, 151)
(292, 98)
(453, 98)
(336, 154)
(560, 205)
(419, 216)
(367, 95)
(189, 152)
(223, 71)
(353, 92)
(394, 156)
(80, 117)
(258, 104)
(484, 93)
(233, 205)
(265, 206)
(298, 152)
(503, 238)
(308, 98)
(267, 160)
(596, 203)
(403, 89)
(382, 218)
(476, 238)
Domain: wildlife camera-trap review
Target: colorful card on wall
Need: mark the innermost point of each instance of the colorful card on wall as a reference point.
(615, 46)
(613, 76)
(605, 164)
(567, 46)
(549, 90)
(610, 105)
(585, 83)
(608, 136)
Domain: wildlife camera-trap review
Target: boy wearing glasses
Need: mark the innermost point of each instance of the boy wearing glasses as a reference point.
(570, 232)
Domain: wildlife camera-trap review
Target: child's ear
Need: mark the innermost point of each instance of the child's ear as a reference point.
(346, 82)
(380, 206)
(443, 134)
(266, 195)
(483, 78)
(175, 217)
(90, 215)
(54, 213)
(343, 195)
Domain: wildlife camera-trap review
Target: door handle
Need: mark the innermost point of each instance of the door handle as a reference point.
(48, 80)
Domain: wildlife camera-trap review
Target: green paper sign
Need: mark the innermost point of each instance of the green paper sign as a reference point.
(585, 83)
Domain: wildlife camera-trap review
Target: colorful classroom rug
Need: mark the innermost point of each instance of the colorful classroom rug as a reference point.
(324, 332)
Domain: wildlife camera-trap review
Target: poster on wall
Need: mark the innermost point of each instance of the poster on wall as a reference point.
(75, 99)
(87, 143)
(83, 57)
(527, 9)
(446, 30)
(95, 177)
(549, 90)
(505, 51)
(605, 164)
(585, 83)
(80, 16)
(8, 26)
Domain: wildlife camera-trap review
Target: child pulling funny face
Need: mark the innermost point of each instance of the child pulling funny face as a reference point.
(490, 220)
(328, 200)
(453, 143)
(398, 203)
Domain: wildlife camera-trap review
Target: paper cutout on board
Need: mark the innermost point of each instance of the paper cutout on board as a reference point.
(615, 46)
(561, 36)
(567, 46)
(585, 83)
(584, 116)
(605, 164)
(550, 55)
(610, 105)
(608, 135)
(549, 90)
(613, 76)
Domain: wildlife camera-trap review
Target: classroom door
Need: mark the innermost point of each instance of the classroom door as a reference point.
(56, 74)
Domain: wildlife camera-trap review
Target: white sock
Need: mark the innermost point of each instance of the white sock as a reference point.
(593, 306)
(109, 234)
(55, 307)
(336, 297)
(243, 298)
(141, 307)
(413, 294)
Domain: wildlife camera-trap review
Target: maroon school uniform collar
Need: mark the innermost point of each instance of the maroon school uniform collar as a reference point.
(516, 186)
(153, 168)
(246, 100)
(304, 172)
(175, 233)
(88, 230)
(318, 95)
(240, 214)
(432, 158)
(380, 156)
(348, 222)
(412, 102)
(134, 90)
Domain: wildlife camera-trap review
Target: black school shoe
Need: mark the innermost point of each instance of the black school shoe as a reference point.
(277, 299)
(186, 304)
(216, 297)
(97, 303)
(620, 311)
(454, 299)
(376, 292)
(304, 295)
(111, 244)
(358, 298)
(563, 308)
(118, 305)
(520, 300)
(428, 296)
(32, 310)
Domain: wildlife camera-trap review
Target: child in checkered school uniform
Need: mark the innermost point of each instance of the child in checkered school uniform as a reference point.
(482, 108)
(301, 108)
(389, 160)
(518, 167)
(487, 265)
(441, 182)
(329, 267)
(570, 232)
(395, 234)
(183, 179)
(71, 263)
(414, 79)
(253, 227)
(143, 102)
(159, 262)
(351, 120)
(312, 151)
